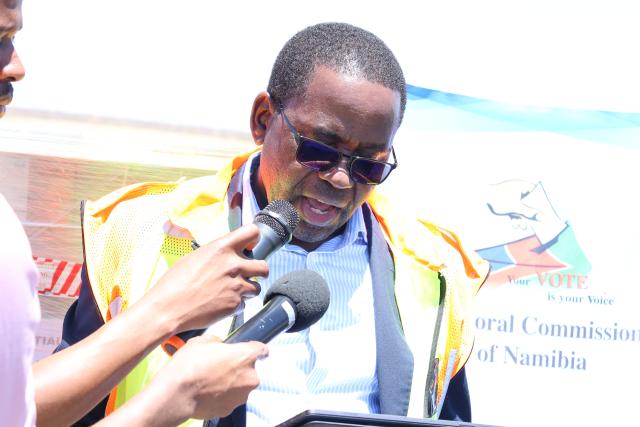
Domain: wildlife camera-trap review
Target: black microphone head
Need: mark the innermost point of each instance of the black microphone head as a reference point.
(281, 217)
(309, 293)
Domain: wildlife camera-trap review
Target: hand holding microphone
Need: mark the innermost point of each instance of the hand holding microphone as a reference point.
(275, 225)
(293, 303)
(208, 284)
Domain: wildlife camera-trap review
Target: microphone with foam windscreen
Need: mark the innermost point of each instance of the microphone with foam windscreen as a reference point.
(277, 222)
(294, 302)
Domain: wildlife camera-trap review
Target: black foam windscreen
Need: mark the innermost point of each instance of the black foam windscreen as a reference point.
(309, 293)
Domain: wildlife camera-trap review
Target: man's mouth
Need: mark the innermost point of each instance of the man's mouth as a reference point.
(317, 212)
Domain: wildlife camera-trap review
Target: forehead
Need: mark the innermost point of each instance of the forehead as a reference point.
(331, 89)
(352, 108)
(10, 15)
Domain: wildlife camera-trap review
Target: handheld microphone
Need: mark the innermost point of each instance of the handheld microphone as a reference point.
(294, 302)
(277, 222)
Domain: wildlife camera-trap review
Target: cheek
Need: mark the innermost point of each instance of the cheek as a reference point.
(361, 193)
(281, 173)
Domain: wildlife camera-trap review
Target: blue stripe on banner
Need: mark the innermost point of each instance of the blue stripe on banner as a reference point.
(440, 111)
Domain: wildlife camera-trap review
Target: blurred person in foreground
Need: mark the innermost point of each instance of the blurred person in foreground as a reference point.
(205, 378)
(398, 331)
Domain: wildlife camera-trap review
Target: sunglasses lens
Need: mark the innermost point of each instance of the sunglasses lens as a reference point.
(317, 156)
(366, 171)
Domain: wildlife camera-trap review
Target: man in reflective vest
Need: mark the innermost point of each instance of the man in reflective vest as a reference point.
(398, 330)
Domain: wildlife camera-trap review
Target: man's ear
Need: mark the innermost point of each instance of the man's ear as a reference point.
(262, 113)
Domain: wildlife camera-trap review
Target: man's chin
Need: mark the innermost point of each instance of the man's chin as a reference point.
(309, 233)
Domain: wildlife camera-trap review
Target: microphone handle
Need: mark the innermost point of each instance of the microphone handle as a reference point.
(268, 243)
(276, 316)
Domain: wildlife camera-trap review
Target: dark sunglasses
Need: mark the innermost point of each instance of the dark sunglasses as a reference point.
(321, 157)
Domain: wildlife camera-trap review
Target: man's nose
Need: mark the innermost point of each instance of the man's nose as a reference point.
(338, 176)
(11, 67)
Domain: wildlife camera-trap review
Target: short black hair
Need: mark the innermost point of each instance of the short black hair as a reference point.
(341, 47)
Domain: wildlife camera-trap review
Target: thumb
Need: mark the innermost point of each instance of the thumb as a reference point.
(207, 339)
(244, 237)
(254, 349)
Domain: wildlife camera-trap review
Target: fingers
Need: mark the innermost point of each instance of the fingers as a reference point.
(251, 289)
(254, 268)
(217, 376)
(207, 339)
(242, 238)
(249, 269)
(256, 350)
(249, 351)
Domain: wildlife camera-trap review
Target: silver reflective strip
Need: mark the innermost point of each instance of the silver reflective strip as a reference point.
(447, 379)
(431, 403)
(291, 313)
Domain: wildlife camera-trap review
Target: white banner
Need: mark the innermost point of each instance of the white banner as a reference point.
(548, 197)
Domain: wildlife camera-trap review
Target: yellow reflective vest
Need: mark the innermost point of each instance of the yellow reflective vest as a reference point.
(133, 235)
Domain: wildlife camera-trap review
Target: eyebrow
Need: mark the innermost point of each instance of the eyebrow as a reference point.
(326, 136)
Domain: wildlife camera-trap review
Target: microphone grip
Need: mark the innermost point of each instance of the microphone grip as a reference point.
(268, 243)
(277, 315)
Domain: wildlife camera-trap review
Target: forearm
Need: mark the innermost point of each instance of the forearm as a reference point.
(158, 405)
(205, 379)
(71, 382)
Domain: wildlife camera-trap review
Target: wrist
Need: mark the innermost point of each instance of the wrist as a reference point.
(159, 404)
(170, 392)
(155, 320)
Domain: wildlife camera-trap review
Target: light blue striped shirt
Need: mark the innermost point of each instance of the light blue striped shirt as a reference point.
(331, 365)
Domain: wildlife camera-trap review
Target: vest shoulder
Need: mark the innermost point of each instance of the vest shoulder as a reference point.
(140, 193)
(105, 204)
(430, 244)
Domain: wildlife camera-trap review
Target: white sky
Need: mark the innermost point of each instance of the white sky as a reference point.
(200, 63)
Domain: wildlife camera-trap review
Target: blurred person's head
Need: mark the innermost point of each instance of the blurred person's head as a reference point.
(326, 124)
(11, 69)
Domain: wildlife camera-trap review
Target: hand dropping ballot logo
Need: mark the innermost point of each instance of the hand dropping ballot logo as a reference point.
(548, 255)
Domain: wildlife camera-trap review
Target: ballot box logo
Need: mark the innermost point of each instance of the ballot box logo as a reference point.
(545, 253)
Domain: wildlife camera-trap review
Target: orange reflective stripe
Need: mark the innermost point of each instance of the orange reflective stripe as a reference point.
(102, 208)
(451, 238)
(111, 403)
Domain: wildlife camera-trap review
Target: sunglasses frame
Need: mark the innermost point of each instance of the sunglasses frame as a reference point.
(299, 139)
